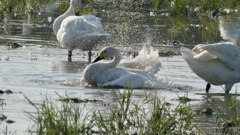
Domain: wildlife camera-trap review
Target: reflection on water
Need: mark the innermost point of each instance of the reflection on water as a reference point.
(40, 65)
(128, 28)
(70, 67)
(230, 28)
(225, 109)
(51, 72)
(27, 26)
(27, 22)
(7, 26)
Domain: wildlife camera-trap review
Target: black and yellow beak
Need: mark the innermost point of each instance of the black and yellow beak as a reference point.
(100, 57)
(77, 11)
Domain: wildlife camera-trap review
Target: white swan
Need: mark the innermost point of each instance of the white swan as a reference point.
(108, 75)
(217, 64)
(78, 31)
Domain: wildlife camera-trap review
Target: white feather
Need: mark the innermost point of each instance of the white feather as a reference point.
(108, 75)
(217, 64)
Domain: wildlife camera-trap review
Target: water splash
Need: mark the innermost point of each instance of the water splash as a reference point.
(147, 57)
(72, 82)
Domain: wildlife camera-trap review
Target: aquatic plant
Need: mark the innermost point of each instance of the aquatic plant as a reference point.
(178, 29)
(149, 115)
(218, 5)
(228, 118)
(184, 7)
(130, 20)
(51, 118)
(180, 7)
(23, 6)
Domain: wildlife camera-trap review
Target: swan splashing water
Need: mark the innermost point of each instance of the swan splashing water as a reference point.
(108, 75)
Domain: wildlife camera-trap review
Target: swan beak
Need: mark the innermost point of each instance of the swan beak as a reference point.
(97, 59)
(100, 57)
(77, 11)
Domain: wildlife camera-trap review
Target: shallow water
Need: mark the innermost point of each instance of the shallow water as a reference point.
(50, 73)
(41, 68)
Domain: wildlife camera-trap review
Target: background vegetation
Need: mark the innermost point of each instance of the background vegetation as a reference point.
(137, 21)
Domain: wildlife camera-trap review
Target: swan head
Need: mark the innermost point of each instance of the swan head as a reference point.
(76, 4)
(108, 52)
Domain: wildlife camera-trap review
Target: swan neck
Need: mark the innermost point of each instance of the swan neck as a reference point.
(70, 10)
(116, 60)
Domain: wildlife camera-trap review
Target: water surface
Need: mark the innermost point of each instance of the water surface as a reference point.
(40, 66)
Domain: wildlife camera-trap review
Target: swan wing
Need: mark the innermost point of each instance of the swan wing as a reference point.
(201, 54)
(132, 80)
(57, 23)
(120, 78)
(205, 56)
(149, 71)
(86, 25)
(80, 30)
(226, 52)
(197, 48)
(110, 75)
